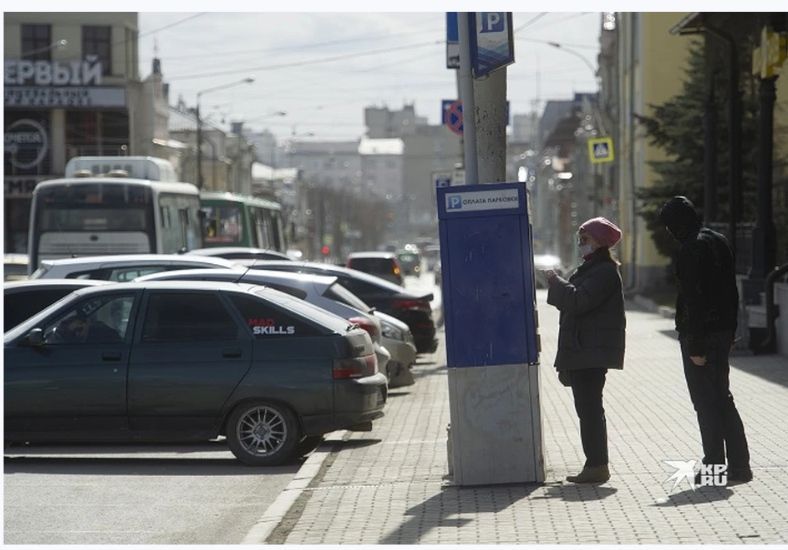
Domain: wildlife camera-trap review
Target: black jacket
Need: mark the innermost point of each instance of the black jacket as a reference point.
(708, 299)
(592, 326)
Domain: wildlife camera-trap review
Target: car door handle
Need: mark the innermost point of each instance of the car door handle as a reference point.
(111, 356)
(232, 353)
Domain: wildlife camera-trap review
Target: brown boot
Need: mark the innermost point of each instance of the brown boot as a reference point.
(591, 474)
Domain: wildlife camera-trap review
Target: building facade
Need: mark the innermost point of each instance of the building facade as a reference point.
(72, 88)
(648, 69)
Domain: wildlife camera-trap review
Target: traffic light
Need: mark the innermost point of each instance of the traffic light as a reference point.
(325, 250)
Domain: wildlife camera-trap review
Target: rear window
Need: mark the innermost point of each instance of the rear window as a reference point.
(373, 265)
(265, 321)
(339, 293)
(300, 307)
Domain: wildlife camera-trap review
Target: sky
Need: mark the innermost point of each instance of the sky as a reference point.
(322, 69)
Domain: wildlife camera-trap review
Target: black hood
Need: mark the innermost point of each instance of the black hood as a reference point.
(680, 217)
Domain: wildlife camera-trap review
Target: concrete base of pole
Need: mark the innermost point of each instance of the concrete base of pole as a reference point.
(496, 425)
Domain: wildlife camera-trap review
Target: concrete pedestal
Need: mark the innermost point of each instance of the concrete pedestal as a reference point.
(496, 425)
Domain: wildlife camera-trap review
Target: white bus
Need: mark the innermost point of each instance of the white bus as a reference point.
(113, 205)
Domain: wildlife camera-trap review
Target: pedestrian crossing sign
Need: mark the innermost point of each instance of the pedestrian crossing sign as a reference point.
(600, 150)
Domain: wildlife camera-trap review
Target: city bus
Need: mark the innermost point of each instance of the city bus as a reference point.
(230, 219)
(113, 205)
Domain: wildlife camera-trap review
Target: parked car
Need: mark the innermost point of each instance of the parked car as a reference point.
(398, 339)
(380, 264)
(123, 267)
(410, 262)
(411, 307)
(15, 267)
(189, 361)
(23, 299)
(315, 289)
(240, 253)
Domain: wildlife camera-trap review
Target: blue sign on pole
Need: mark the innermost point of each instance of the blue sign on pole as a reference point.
(492, 44)
(452, 41)
(451, 115)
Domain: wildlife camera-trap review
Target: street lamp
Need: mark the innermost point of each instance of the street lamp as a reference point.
(56, 45)
(199, 122)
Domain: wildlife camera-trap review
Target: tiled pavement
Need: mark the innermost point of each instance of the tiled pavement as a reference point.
(388, 486)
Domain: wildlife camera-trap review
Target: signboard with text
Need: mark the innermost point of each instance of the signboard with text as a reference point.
(492, 44)
(76, 84)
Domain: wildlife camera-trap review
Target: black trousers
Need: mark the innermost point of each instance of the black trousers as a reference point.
(587, 386)
(721, 428)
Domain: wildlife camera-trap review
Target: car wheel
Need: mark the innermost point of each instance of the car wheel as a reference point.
(262, 433)
(308, 444)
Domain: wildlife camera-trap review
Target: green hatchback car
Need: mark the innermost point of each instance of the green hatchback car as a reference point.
(182, 361)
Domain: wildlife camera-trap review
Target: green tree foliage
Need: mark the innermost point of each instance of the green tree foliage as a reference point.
(676, 126)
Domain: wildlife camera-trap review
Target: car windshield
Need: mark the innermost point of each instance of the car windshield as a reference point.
(35, 320)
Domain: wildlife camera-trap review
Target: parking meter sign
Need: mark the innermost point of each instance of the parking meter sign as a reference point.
(492, 42)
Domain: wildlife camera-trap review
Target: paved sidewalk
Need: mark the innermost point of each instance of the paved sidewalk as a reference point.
(388, 486)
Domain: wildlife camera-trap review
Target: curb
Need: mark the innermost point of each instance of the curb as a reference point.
(650, 305)
(279, 508)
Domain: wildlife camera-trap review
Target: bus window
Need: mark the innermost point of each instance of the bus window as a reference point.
(222, 225)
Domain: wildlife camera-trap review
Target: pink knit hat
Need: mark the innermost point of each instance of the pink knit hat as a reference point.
(602, 230)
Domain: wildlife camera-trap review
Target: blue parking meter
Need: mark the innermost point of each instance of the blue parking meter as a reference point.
(489, 296)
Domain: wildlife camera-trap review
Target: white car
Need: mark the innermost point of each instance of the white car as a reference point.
(396, 351)
(124, 267)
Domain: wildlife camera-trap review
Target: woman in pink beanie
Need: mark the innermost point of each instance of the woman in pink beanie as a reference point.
(590, 337)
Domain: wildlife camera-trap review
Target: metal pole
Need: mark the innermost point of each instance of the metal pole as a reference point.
(199, 145)
(764, 249)
(710, 157)
(468, 100)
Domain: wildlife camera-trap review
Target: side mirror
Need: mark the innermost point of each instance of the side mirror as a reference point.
(34, 338)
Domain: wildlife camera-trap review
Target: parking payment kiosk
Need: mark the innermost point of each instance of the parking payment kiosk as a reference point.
(492, 345)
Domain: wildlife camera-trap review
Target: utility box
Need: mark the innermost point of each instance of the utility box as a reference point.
(492, 342)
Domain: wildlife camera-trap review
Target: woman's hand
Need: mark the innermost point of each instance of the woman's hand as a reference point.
(549, 274)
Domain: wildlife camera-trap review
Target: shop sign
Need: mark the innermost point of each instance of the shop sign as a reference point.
(27, 96)
(21, 187)
(26, 144)
(23, 72)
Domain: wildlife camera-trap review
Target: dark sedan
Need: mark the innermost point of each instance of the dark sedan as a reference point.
(183, 361)
(411, 308)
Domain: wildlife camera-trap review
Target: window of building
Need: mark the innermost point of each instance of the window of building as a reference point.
(96, 133)
(37, 42)
(97, 40)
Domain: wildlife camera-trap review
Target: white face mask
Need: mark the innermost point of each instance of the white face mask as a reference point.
(585, 249)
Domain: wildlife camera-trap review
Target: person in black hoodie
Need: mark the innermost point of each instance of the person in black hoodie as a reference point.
(706, 315)
(591, 337)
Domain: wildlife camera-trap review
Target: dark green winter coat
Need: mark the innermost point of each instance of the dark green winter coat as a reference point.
(592, 326)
